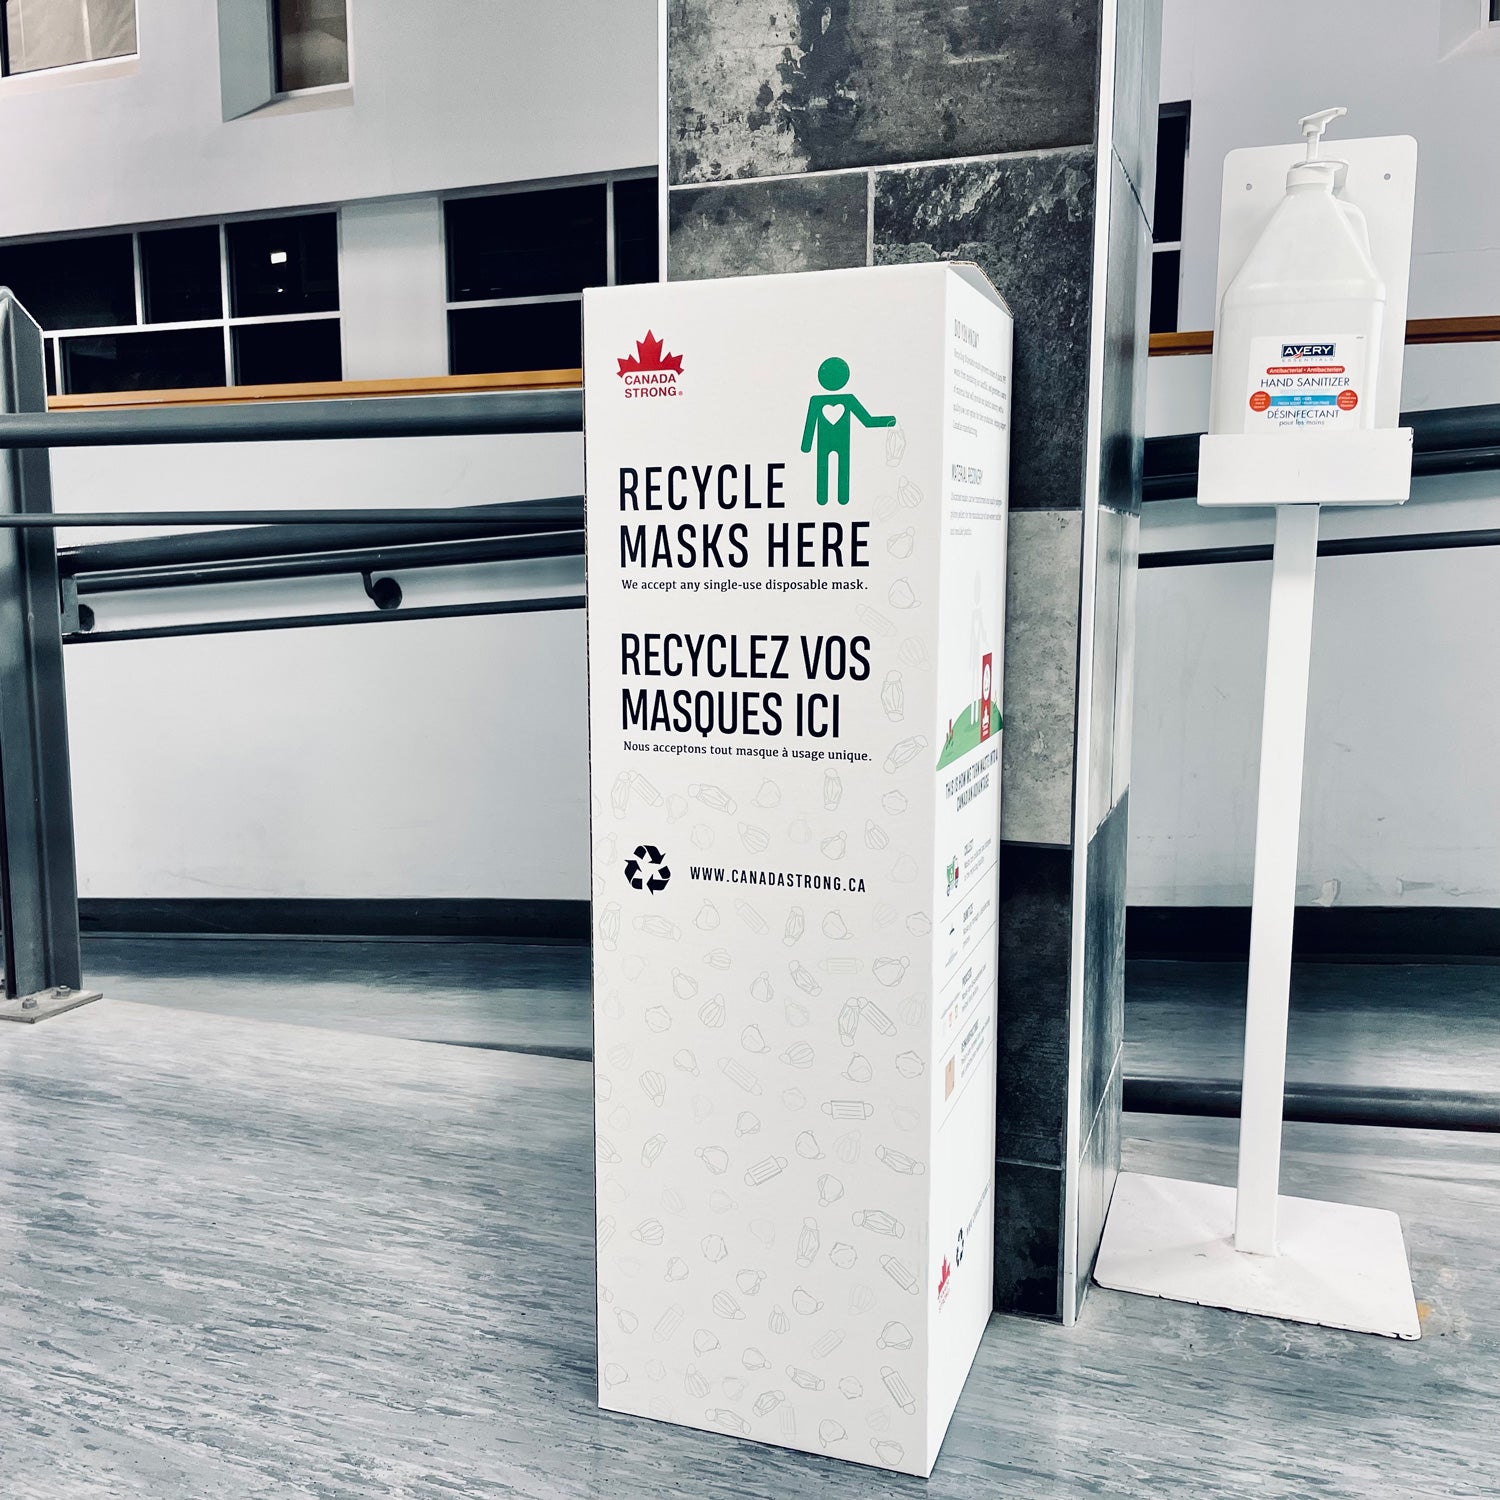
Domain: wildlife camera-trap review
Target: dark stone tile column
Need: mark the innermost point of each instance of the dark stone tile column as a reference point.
(1018, 134)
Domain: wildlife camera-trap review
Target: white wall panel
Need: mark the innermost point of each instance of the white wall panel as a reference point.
(444, 94)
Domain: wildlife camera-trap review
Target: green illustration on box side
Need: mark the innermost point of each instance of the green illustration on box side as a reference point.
(828, 421)
(964, 735)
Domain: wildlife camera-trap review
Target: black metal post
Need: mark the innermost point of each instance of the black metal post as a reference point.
(38, 882)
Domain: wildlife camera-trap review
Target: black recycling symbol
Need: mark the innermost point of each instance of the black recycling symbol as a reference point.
(646, 869)
(958, 1254)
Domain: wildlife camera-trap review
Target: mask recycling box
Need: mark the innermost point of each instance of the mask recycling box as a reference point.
(796, 564)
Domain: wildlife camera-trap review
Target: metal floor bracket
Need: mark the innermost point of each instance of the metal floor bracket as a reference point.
(46, 1003)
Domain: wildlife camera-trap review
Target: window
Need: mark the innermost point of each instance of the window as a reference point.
(518, 263)
(636, 231)
(86, 283)
(279, 266)
(154, 361)
(180, 274)
(271, 353)
(37, 34)
(254, 302)
(1166, 229)
(1495, 12)
(311, 44)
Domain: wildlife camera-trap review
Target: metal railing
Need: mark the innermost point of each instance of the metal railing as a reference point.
(40, 590)
(523, 531)
(476, 413)
(38, 920)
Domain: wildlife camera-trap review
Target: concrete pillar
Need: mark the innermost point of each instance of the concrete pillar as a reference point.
(1019, 134)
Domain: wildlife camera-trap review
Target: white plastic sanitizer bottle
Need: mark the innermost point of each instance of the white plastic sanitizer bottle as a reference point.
(1298, 343)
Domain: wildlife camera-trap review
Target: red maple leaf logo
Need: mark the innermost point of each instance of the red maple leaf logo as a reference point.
(946, 1272)
(650, 355)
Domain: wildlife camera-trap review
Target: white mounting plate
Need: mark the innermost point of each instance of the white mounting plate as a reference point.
(1339, 1266)
(1305, 468)
(1382, 181)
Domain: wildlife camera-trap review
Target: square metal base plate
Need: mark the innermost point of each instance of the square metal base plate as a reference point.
(1339, 1266)
(45, 1003)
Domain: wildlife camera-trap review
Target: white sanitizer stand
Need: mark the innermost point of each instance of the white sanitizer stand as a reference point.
(1248, 1248)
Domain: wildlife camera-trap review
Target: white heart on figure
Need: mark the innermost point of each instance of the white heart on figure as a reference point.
(832, 411)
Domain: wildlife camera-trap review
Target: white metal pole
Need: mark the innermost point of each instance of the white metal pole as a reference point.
(1277, 816)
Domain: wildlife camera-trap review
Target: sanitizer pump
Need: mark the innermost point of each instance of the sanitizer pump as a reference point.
(1299, 337)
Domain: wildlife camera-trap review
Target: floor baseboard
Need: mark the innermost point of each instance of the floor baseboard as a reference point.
(418, 919)
(1348, 934)
(1353, 934)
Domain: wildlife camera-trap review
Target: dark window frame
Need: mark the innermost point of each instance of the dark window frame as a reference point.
(456, 307)
(225, 322)
(1166, 254)
(278, 59)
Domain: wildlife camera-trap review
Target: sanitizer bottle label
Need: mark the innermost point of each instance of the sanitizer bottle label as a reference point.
(1306, 383)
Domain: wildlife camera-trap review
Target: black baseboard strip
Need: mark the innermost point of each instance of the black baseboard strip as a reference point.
(1358, 934)
(1348, 934)
(423, 920)
(1321, 1104)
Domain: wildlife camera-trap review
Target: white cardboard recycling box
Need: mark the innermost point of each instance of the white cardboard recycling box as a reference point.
(796, 537)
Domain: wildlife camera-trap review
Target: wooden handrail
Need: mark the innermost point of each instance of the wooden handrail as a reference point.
(1475, 330)
(1197, 342)
(325, 390)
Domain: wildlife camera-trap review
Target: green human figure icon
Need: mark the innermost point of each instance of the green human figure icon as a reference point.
(828, 419)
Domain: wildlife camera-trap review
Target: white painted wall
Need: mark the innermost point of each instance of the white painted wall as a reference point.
(444, 94)
(443, 758)
(1252, 70)
(406, 759)
(1400, 803)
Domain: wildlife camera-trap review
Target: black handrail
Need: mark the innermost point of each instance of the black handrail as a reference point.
(565, 513)
(1344, 546)
(351, 617)
(327, 564)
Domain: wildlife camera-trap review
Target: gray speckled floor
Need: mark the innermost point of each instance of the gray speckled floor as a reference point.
(243, 1258)
(478, 994)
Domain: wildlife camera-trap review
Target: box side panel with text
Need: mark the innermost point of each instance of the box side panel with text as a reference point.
(967, 821)
(762, 455)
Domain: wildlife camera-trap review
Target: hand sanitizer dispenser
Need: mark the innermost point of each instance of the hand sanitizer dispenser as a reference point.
(1313, 257)
(1301, 322)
